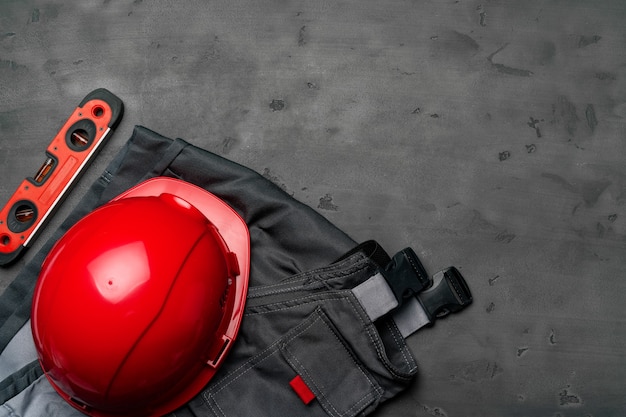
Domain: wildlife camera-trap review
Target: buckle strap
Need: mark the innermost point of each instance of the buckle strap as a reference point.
(406, 275)
(372, 250)
(448, 294)
(414, 300)
(421, 299)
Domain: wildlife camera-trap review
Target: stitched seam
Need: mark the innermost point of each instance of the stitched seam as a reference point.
(301, 301)
(322, 274)
(287, 289)
(12, 412)
(217, 411)
(402, 347)
(417, 271)
(369, 328)
(319, 281)
(397, 342)
(270, 350)
(106, 176)
(457, 289)
(357, 404)
(266, 351)
(377, 341)
(344, 295)
(367, 397)
(365, 324)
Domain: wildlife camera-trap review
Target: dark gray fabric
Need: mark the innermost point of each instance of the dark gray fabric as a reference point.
(300, 316)
(311, 325)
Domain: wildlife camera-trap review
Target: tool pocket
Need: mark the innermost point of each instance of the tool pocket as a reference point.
(310, 371)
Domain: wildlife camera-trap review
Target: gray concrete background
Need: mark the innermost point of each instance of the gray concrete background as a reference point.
(485, 134)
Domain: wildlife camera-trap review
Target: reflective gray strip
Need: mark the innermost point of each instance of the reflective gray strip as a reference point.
(375, 296)
(19, 352)
(377, 299)
(411, 317)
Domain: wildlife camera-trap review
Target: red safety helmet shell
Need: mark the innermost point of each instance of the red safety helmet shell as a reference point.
(138, 303)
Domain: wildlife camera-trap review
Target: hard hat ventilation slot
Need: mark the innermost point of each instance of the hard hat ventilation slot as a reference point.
(80, 404)
(220, 353)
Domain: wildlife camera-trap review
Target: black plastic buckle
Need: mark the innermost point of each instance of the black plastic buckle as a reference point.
(448, 294)
(406, 275)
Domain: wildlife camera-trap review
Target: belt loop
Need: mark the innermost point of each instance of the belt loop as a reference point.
(169, 156)
(372, 250)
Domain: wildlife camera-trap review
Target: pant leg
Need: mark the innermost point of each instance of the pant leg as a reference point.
(275, 220)
(309, 326)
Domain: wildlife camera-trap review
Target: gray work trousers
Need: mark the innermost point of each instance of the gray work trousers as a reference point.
(302, 319)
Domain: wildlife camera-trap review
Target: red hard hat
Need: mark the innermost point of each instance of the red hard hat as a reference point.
(138, 303)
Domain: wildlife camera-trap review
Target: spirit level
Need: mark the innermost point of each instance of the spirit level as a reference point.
(69, 153)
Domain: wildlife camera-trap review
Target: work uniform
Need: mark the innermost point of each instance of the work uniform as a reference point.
(325, 321)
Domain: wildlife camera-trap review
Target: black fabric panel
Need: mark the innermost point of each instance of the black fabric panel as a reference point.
(287, 237)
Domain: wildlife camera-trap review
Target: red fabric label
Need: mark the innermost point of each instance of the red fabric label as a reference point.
(302, 389)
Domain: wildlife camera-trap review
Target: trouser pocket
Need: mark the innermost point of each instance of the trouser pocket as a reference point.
(310, 371)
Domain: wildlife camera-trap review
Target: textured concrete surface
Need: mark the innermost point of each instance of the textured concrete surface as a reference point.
(485, 134)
